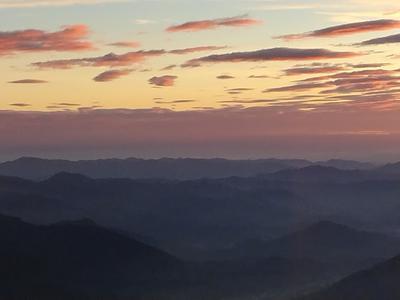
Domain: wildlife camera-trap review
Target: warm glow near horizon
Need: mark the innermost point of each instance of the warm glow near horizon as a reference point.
(177, 74)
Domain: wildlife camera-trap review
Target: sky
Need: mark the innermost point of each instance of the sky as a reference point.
(311, 79)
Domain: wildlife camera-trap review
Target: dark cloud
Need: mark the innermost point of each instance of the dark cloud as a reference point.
(20, 104)
(345, 29)
(175, 101)
(313, 70)
(274, 54)
(28, 81)
(225, 77)
(391, 39)
(111, 75)
(168, 68)
(108, 60)
(299, 87)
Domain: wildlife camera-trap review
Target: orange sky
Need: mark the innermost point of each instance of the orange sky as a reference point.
(242, 70)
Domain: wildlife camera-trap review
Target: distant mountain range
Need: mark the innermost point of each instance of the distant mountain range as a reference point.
(377, 283)
(286, 228)
(39, 169)
(323, 241)
(186, 217)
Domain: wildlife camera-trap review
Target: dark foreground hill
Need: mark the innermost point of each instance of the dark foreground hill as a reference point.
(378, 283)
(80, 260)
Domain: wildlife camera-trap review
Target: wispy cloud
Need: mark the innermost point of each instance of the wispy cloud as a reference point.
(391, 39)
(28, 81)
(118, 60)
(125, 44)
(196, 49)
(111, 75)
(108, 60)
(274, 54)
(345, 29)
(240, 21)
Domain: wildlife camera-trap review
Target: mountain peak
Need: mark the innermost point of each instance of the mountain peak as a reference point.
(66, 177)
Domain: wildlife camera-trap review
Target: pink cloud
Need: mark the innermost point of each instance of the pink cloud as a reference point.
(313, 70)
(117, 60)
(166, 80)
(125, 44)
(240, 21)
(108, 60)
(70, 38)
(274, 54)
(345, 29)
(299, 87)
(111, 75)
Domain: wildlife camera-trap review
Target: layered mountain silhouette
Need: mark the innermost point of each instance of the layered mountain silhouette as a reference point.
(187, 217)
(391, 168)
(321, 174)
(377, 283)
(39, 169)
(119, 245)
(81, 260)
(74, 258)
(324, 241)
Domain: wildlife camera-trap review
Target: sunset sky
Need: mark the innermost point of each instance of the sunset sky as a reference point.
(313, 79)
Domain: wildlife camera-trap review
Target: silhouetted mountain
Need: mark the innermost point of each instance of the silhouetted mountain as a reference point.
(190, 217)
(346, 164)
(391, 168)
(329, 174)
(81, 260)
(77, 258)
(39, 169)
(324, 241)
(378, 283)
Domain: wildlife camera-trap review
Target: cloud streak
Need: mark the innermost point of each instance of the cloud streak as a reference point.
(108, 60)
(391, 39)
(119, 60)
(345, 29)
(111, 75)
(274, 54)
(196, 49)
(125, 44)
(239, 21)
(28, 81)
